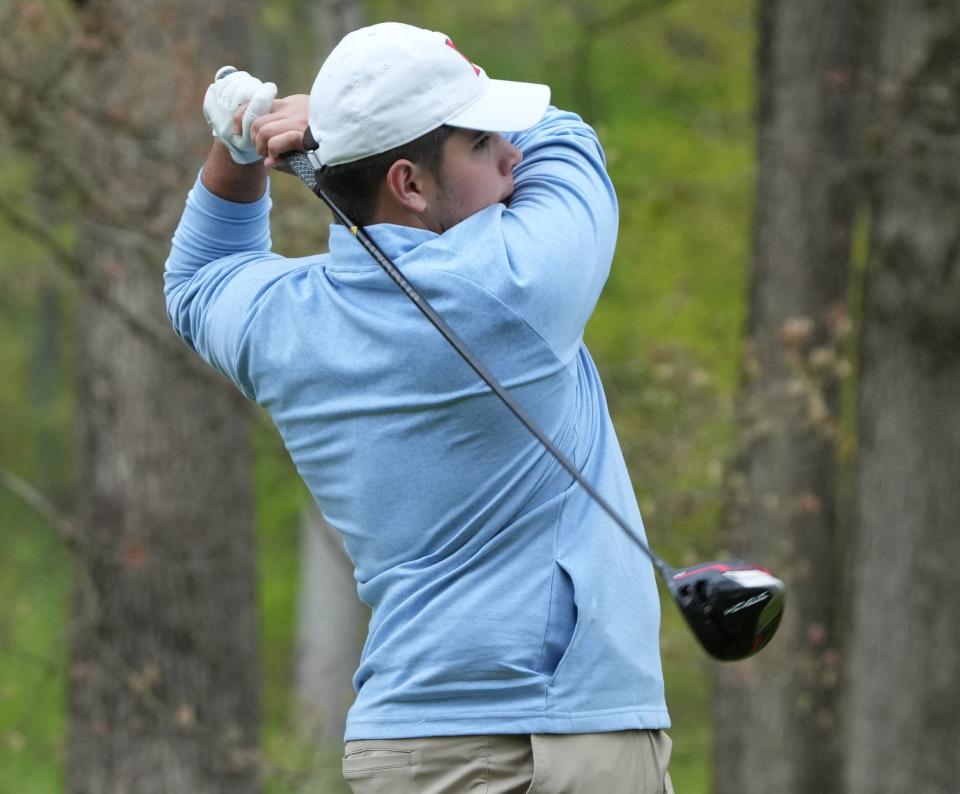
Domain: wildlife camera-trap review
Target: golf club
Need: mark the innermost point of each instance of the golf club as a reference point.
(733, 607)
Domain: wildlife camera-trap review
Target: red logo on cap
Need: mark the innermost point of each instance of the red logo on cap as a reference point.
(453, 47)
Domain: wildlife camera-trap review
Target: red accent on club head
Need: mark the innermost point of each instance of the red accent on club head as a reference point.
(473, 66)
(722, 568)
(715, 567)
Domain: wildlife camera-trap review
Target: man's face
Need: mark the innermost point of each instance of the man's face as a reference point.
(476, 172)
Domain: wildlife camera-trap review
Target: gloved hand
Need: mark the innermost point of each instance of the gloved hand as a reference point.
(227, 93)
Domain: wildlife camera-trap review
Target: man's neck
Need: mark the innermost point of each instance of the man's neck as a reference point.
(399, 217)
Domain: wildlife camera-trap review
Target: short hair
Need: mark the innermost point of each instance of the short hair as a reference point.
(354, 186)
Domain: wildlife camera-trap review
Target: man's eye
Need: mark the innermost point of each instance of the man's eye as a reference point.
(482, 142)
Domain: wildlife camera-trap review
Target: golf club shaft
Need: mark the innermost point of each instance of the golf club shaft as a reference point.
(301, 166)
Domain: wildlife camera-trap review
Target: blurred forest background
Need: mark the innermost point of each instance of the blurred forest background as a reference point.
(778, 340)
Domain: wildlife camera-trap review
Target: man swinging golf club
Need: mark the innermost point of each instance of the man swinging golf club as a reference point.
(513, 644)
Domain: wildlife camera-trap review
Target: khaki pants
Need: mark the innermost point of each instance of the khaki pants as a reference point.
(623, 762)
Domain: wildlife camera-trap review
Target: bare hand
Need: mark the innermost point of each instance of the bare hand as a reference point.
(280, 130)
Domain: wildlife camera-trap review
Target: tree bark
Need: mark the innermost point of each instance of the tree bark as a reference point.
(775, 714)
(164, 684)
(904, 662)
(330, 632)
(334, 19)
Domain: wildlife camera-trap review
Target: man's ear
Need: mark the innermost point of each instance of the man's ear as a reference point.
(406, 184)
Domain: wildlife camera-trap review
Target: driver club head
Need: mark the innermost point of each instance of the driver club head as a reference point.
(732, 606)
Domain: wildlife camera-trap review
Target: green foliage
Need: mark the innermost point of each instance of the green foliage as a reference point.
(280, 498)
(34, 591)
(36, 407)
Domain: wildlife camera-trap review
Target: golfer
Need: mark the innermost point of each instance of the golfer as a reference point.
(513, 644)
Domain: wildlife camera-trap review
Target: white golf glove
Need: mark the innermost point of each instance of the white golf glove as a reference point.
(229, 90)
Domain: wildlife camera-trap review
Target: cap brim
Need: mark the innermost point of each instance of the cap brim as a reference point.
(506, 106)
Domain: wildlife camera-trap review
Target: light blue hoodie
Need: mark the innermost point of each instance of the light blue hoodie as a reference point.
(504, 600)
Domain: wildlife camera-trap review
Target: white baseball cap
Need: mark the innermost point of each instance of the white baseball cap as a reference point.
(388, 84)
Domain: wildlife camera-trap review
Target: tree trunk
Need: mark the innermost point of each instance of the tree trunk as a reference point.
(330, 632)
(334, 19)
(330, 618)
(904, 662)
(775, 715)
(164, 680)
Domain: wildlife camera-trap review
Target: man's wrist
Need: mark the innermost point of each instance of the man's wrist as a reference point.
(231, 181)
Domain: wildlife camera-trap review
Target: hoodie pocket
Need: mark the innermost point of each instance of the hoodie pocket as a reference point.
(562, 619)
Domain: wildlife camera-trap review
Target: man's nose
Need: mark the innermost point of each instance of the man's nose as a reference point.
(510, 156)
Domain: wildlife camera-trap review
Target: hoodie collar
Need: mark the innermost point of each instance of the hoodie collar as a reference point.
(394, 241)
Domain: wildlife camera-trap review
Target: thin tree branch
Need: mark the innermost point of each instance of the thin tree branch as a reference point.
(162, 338)
(592, 27)
(36, 133)
(48, 94)
(42, 235)
(33, 140)
(624, 14)
(51, 94)
(37, 129)
(41, 505)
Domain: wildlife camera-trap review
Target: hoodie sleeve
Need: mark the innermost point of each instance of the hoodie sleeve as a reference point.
(219, 269)
(560, 229)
